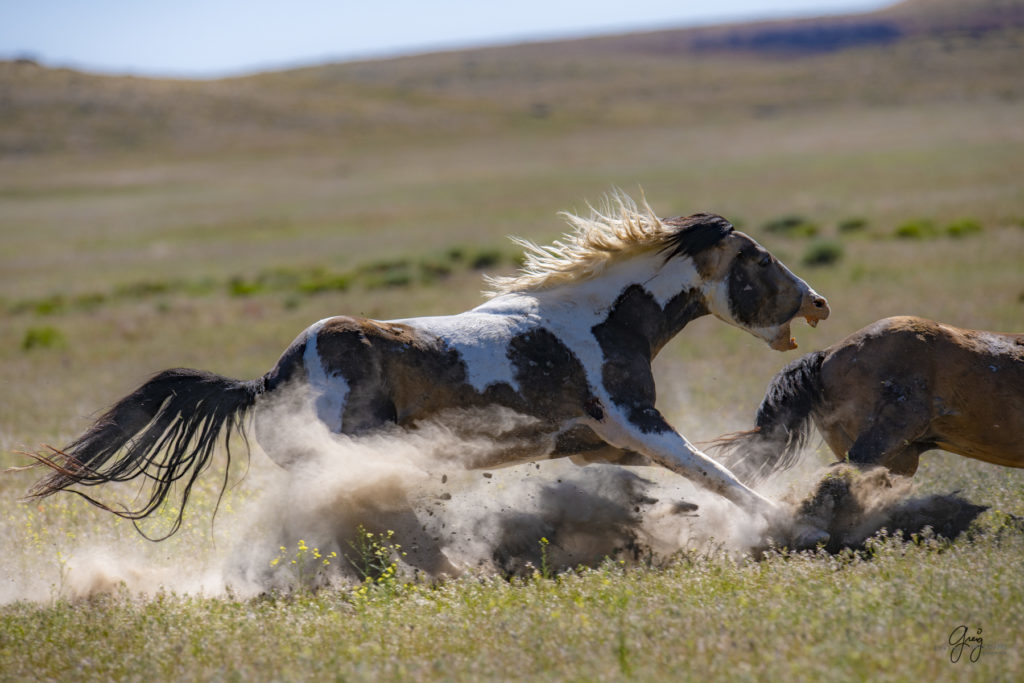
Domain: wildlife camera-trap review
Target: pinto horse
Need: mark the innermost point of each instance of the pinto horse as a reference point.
(568, 342)
(889, 392)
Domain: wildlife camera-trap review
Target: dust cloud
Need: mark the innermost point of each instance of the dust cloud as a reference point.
(853, 506)
(348, 507)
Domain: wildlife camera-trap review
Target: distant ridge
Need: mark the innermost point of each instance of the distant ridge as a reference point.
(818, 36)
(911, 18)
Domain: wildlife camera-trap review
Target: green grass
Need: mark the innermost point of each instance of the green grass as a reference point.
(211, 235)
(43, 337)
(805, 617)
(401, 272)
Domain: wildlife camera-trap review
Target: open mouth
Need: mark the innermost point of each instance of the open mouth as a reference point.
(782, 341)
(814, 309)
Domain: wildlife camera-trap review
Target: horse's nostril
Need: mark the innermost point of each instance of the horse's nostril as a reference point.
(819, 303)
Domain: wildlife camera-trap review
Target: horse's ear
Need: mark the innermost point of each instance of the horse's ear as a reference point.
(696, 233)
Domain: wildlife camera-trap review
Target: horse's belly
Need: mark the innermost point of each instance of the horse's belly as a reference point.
(487, 435)
(980, 413)
(991, 438)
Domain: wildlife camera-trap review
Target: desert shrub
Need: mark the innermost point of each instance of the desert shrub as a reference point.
(963, 227)
(322, 281)
(485, 258)
(50, 305)
(853, 224)
(43, 337)
(823, 253)
(455, 254)
(432, 270)
(916, 229)
(239, 286)
(282, 278)
(201, 287)
(791, 226)
(143, 289)
(89, 301)
(382, 274)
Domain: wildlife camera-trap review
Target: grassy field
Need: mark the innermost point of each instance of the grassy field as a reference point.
(152, 224)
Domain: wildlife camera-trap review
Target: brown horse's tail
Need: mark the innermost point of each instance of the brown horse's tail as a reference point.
(164, 431)
(782, 425)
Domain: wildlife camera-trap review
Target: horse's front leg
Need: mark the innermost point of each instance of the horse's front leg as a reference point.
(644, 430)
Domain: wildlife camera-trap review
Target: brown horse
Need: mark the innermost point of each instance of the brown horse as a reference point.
(888, 393)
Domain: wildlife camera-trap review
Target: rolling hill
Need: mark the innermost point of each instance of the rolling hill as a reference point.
(917, 51)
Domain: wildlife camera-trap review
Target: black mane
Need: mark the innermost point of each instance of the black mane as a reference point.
(696, 233)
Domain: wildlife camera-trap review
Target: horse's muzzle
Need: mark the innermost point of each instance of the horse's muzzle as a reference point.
(814, 308)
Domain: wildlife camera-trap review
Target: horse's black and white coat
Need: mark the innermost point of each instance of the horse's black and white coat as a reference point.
(568, 342)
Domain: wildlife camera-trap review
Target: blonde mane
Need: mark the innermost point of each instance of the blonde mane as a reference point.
(619, 228)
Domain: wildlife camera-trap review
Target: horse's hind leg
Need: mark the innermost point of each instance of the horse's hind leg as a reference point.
(290, 419)
(281, 423)
(837, 435)
(891, 440)
(902, 460)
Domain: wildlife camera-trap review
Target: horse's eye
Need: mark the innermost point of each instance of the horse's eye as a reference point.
(765, 260)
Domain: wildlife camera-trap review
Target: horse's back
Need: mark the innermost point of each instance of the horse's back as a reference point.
(962, 389)
(411, 369)
(923, 349)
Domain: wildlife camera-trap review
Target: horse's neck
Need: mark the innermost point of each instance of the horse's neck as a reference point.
(644, 295)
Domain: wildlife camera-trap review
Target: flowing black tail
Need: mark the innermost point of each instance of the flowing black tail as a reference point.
(782, 425)
(179, 413)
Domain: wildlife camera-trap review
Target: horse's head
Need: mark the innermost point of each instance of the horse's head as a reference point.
(746, 286)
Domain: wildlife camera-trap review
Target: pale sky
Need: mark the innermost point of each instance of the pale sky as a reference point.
(209, 38)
